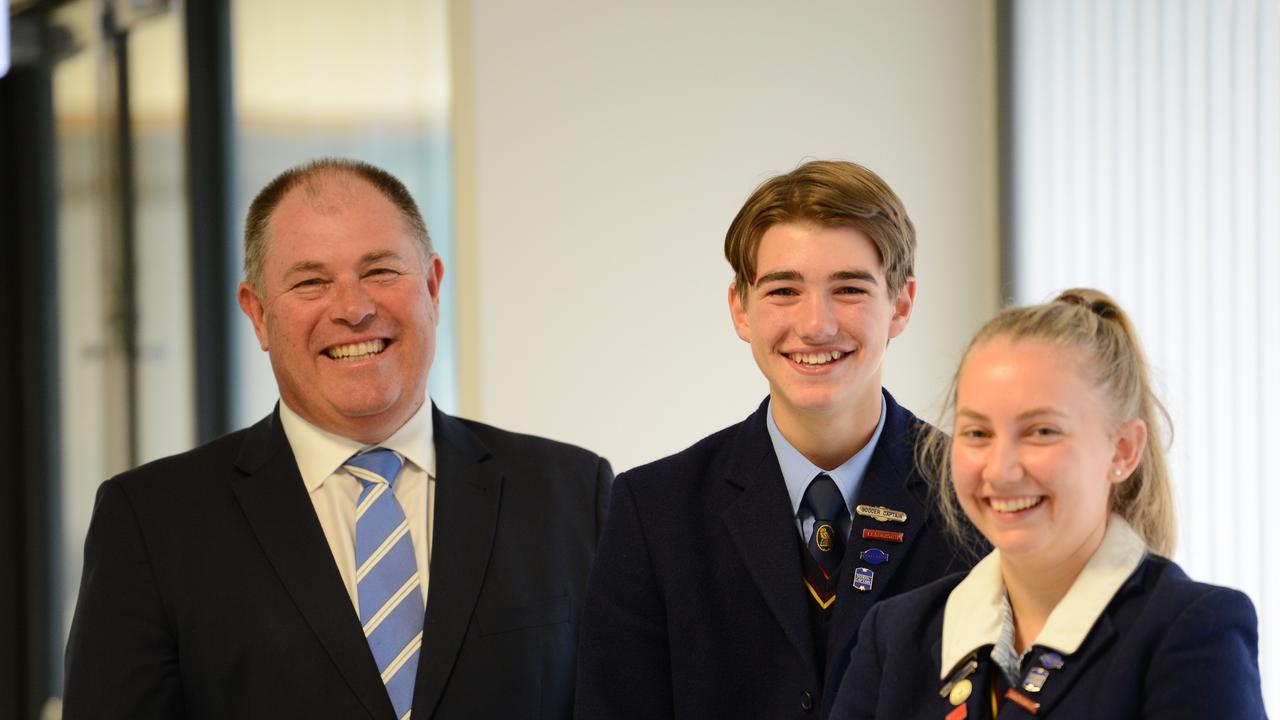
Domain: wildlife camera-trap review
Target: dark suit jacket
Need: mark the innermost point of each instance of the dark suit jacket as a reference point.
(209, 590)
(1165, 647)
(696, 607)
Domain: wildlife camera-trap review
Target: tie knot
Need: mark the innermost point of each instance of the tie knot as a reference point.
(823, 499)
(374, 466)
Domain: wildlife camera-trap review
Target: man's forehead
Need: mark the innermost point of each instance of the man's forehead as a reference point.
(328, 192)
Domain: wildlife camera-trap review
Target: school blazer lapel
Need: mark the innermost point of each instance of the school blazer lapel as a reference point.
(1060, 681)
(275, 501)
(891, 482)
(762, 526)
(468, 496)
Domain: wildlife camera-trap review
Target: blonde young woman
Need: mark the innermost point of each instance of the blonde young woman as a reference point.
(1055, 455)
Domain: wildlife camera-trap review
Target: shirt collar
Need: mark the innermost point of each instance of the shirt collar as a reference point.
(320, 453)
(974, 614)
(798, 472)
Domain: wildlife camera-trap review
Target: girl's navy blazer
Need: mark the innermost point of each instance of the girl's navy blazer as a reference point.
(1165, 647)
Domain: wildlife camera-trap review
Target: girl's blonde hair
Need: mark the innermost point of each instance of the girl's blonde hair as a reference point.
(1092, 323)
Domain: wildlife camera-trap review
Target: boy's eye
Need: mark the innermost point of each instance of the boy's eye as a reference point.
(781, 291)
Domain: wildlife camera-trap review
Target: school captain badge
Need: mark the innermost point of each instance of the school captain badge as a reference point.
(824, 536)
(880, 513)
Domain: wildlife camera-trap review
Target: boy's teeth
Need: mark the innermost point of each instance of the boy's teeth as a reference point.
(821, 358)
(1015, 504)
(356, 350)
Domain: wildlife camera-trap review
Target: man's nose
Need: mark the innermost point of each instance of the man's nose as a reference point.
(352, 304)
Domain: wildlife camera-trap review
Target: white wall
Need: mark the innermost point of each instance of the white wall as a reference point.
(603, 148)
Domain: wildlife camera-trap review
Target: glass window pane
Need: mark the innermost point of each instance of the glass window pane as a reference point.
(350, 82)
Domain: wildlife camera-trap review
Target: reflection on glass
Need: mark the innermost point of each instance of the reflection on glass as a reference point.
(344, 82)
(165, 365)
(103, 430)
(92, 440)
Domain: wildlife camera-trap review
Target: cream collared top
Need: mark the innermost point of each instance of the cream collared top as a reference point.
(975, 614)
(334, 492)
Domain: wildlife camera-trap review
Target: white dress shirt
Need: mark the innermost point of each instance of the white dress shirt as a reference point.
(334, 492)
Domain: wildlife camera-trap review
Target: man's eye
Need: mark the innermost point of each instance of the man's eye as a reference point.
(782, 292)
(308, 283)
(851, 291)
(382, 273)
(1044, 431)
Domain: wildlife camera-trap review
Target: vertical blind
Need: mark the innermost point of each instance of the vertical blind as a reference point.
(1145, 148)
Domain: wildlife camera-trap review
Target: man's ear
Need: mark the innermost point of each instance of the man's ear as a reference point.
(1130, 441)
(902, 306)
(738, 312)
(252, 307)
(435, 276)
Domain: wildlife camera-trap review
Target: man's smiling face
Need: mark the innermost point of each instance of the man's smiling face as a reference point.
(819, 316)
(348, 309)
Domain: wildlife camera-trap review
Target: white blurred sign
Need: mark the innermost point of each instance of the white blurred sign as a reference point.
(4, 37)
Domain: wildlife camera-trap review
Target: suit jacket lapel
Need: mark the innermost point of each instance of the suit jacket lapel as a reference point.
(275, 501)
(465, 521)
(890, 481)
(763, 528)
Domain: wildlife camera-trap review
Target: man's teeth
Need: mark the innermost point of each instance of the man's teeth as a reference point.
(821, 358)
(1014, 504)
(356, 351)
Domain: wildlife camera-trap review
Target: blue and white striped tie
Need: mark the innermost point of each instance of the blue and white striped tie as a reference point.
(387, 583)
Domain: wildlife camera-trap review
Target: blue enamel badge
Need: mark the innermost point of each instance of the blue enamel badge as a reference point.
(862, 579)
(874, 556)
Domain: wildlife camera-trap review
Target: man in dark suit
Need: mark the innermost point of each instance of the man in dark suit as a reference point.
(732, 576)
(358, 553)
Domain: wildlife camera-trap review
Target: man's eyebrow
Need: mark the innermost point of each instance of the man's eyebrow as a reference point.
(305, 266)
(377, 255)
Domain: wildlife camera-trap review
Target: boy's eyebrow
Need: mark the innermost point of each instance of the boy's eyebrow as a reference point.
(793, 276)
(862, 275)
(779, 276)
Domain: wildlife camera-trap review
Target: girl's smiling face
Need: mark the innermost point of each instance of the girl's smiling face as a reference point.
(1035, 451)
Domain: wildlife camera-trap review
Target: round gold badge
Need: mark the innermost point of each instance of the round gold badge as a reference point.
(824, 537)
(961, 692)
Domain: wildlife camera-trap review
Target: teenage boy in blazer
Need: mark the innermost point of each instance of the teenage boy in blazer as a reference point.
(732, 577)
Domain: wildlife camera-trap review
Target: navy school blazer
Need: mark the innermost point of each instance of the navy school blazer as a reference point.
(210, 590)
(696, 606)
(1165, 648)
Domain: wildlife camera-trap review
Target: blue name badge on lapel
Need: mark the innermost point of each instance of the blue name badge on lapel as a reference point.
(873, 556)
(862, 579)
